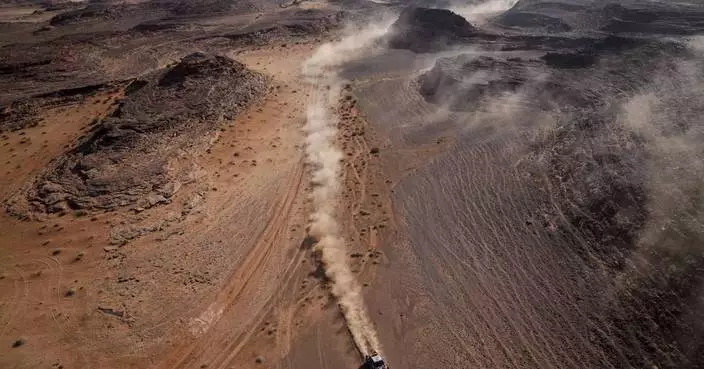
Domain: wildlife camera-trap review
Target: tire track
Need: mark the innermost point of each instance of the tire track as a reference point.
(322, 72)
(9, 309)
(242, 278)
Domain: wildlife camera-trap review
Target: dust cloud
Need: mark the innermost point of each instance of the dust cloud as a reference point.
(321, 72)
(480, 11)
(665, 116)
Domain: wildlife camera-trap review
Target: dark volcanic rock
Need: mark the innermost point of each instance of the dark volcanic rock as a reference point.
(547, 16)
(126, 159)
(23, 113)
(89, 13)
(20, 68)
(196, 67)
(295, 24)
(18, 115)
(619, 17)
(424, 30)
(156, 26)
(570, 60)
(188, 8)
(462, 82)
(652, 18)
(533, 21)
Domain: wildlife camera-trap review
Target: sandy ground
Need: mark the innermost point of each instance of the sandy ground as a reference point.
(220, 277)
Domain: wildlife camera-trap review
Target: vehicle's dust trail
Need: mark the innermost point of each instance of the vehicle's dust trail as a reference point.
(480, 11)
(321, 71)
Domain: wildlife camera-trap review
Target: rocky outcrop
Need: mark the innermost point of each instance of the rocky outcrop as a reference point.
(127, 158)
(298, 25)
(93, 12)
(529, 20)
(570, 60)
(24, 113)
(616, 17)
(423, 30)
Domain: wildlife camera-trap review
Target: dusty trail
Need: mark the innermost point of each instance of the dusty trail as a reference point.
(321, 72)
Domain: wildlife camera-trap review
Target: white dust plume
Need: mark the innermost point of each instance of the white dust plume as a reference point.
(479, 12)
(321, 72)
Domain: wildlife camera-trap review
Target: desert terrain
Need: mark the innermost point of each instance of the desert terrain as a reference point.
(262, 184)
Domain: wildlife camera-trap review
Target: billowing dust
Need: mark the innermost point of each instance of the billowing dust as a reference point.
(321, 72)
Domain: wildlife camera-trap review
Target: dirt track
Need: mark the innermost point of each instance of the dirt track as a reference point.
(224, 267)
